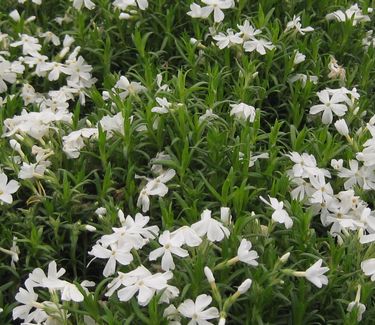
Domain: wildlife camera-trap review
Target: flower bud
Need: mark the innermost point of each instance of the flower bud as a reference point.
(15, 15)
(245, 286)
(341, 127)
(14, 144)
(225, 216)
(222, 321)
(285, 257)
(209, 275)
(90, 228)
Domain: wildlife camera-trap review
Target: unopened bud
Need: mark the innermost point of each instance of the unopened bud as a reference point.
(342, 127)
(225, 216)
(209, 275)
(90, 228)
(284, 258)
(245, 286)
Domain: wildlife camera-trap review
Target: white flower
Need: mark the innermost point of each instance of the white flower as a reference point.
(196, 11)
(27, 297)
(30, 45)
(142, 281)
(279, 215)
(208, 115)
(216, 6)
(353, 13)
(51, 281)
(243, 111)
(227, 40)
(101, 212)
(133, 232)
(315, 274)
(13, 252)
(117, 253)
(196, 310)
(356, 305)
(254, 158)
(329, 104)
(295, 23)
(172, 315)
(33, 170)
(129, 88)
(77, 4)
(323, 191)
(214, 229)
(303, 79)
(164, 106)
(155, 187)
(247, 31)
(70, 291)
(245, 254)
(368, 267)
(298, 58)
(188, 235)
(7, 188)
(361, 308)
(171, 245)
(259, 45)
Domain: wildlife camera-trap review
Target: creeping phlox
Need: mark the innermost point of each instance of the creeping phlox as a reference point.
(46, 311)
(119, 248)
(53, 116)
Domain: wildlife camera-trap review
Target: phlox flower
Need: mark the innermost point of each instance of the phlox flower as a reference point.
(30, 45)
(197, 311)
(368, 267)
(323, 191)
(247, 31)
(124, 4)
(354, 13)
(170, 245)
(279, 215)
(7, 188)
(214, 229)
(146, 284)
(217, 6)
(133, 233)
(172, 315)
(188, 235)
(196, 11)
(155, 187)
(78, 4)
(227, 40)
(243, 111)
(6, 74)
(295, 23)
(315, 274)
(51, 280)
(163, 107)
(330, 104)
(245, 254)
(28, 299)
(115, 254)
(259, 45)
(70, 292)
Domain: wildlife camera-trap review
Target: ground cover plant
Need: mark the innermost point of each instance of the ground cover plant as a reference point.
(180, 162)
